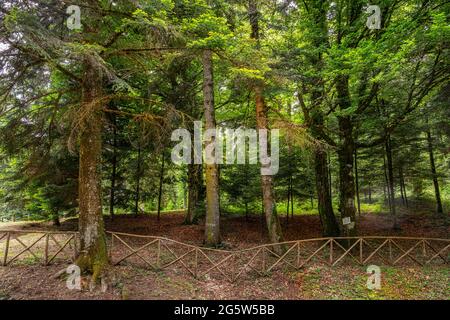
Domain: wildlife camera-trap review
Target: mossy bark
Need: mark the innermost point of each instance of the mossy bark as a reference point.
(346, 151)
(270, 212)
(195, 193)
(212, 223)
(330, 226)
(269, 205)
(93, 256)
(437, 193)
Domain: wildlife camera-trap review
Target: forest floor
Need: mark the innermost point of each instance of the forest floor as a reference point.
(27, 280)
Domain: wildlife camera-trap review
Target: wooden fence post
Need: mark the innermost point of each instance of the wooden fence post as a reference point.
(196, 263)
(331, 251)
(361, 253)
(47, 237)
(158, 255)
(5, 258)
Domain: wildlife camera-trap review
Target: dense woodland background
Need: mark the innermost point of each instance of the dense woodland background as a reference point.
(86, 115)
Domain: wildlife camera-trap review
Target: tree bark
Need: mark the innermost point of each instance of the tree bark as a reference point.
(270, 212)
(195, 184)
(212, 227)
(357, 182)
(402, 181)
(391, 190)
(437, 192)
(161, 180)
(112, 192)
(288, 202)
(346, 151)
(138, 182)
(387, 193)
(330, 226)
(93, 252)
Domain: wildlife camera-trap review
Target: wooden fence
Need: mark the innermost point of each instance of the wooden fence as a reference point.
(38, 245)
(158, 253)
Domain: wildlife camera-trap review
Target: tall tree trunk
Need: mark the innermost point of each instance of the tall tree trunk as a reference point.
(437, 193)
(330, 177)
(288, 202)
(138, 182)
(402, 181)
(391, 189)
(270, 212)
(112, 192)
(292, 199)
(195, 184)
(93, 252)
(212, 227)
(330, 226)
(387, 193)
(161, 180)
(357, 182)
(346, 152)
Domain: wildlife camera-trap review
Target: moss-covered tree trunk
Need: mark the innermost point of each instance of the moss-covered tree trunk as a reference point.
(437, 193)
(330, 226)
(269, 206)
(195, 186)
(346, 151)
(315, 115)
(270, 212)
(391, 189)
(93, 252)
(212, 223)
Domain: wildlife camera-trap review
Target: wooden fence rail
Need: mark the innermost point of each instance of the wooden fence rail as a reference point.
(159, 253)
(37, 244)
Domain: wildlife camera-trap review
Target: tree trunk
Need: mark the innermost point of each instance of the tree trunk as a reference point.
(93, 252)
(346, 152)
(330, 226)
(212, 227)
(387, 193)
(391, 189)
(292, 199)
(55, 218)
(138, 182)
(195, 182)
(288, 202)
(112, 192)
(357, 182)
(161, 180)
(402, 181)
(270, 212)
(437, 193)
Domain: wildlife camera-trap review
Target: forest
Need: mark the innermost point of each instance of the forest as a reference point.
(352, 97)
